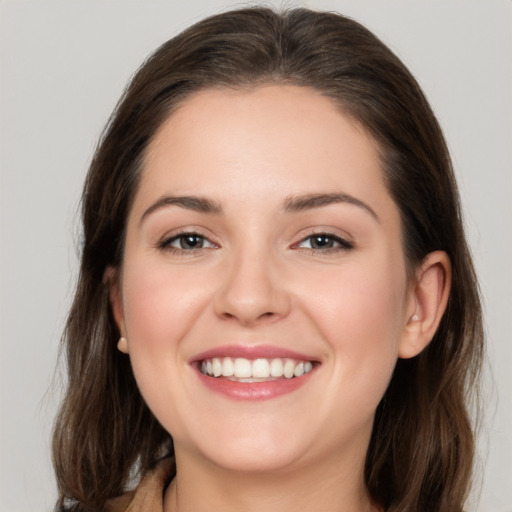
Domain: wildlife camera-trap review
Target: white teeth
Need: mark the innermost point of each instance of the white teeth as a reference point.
(276, 368)
(260, 369)
(289, 368)
(216, 367)
(228, 367)
(245, 370)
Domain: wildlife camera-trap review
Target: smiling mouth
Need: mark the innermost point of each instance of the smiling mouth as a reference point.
(255, 370)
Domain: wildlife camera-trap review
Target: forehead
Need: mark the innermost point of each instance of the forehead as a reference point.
(294, 131)
(250, 151)
(294, 110)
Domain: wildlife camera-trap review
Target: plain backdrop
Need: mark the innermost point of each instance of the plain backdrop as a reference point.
(63, 66)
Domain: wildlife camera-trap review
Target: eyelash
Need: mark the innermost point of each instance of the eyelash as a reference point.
(340, 244)
(165, 244)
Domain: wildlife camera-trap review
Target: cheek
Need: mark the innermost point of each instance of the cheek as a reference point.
(359, 312)
(361, 300)
(161, 307)
(159, 303)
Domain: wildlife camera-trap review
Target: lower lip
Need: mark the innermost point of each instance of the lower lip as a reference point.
(253, 390)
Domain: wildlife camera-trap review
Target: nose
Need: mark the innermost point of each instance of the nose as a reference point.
(252, 291)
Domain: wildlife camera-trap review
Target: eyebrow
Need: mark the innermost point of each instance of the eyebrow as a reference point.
(197, 204)
(310, 201)
(291, 204)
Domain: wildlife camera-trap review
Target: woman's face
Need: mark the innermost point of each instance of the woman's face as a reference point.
(263, 241)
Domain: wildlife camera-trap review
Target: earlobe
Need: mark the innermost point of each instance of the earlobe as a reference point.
(111, 279)
(429, 297)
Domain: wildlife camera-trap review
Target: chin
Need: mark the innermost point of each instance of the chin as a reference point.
(251, 450)
(253, 459)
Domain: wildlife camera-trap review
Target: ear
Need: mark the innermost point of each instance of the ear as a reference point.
(427, 304)
(112, 279)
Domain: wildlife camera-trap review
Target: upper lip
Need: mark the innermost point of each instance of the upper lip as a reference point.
(251, 352)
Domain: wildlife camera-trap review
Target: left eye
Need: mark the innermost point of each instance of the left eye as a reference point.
(324, 241)
(187, 242)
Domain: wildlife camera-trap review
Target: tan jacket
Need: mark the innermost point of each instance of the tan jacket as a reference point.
(149, 494)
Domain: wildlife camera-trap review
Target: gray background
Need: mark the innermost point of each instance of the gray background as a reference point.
(63, 66)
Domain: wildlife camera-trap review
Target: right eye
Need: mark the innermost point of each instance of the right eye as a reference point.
(186, 242)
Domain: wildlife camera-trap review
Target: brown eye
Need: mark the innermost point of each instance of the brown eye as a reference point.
(324, 241)
(191, 242)
(186, 242)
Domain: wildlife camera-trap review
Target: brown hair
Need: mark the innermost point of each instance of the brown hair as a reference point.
(421, 451)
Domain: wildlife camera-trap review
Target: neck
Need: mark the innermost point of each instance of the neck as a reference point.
(202, 486)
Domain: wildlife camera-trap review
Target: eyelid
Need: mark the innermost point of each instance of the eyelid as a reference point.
(170, 241)
(346, 242)
(164, 241)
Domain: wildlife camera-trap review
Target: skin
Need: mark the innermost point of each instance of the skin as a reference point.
(257, 280)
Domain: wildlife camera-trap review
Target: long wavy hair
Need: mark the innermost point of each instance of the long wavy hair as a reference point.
(421, 451)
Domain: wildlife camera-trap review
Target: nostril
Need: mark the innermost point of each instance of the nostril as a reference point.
(268, 314)
(249, 320)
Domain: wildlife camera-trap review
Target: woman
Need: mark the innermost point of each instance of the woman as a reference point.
(276, 307)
